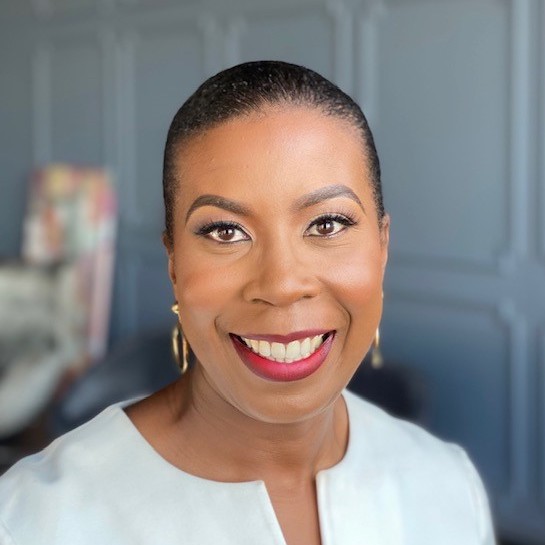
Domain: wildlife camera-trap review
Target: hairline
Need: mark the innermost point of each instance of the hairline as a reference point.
(181, 142)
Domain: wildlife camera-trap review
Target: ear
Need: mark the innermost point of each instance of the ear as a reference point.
(385, 239)
(170, 253)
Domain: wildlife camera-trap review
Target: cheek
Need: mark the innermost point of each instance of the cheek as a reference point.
(356, 281)
(203, 291)
(358, 286)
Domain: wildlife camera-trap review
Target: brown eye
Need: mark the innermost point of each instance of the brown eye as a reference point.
(223, 232)
(326, 227)
(330, 225)
(225, 235)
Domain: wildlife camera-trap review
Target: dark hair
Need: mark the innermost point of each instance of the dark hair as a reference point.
(248, 87)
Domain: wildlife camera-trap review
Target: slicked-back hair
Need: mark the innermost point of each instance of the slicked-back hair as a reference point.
(252, 87)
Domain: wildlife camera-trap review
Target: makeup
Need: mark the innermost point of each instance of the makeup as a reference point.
(283, 371)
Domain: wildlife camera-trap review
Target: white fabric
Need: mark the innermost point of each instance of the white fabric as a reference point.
(104, 484)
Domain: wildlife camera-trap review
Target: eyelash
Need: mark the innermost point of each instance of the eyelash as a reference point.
(208, 228)
(346, 219)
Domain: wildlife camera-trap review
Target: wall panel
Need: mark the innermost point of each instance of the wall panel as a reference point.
(15, 141)
(164, 63)
(69, 105)
(16, 9)
(304, 37)
(541, 420)
(541, 251)
(541, 135)
(152, 3)
(151, 306)
(456, 349)
(443, 109)
(68, 7)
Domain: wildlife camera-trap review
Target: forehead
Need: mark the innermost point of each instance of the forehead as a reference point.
(280, 146)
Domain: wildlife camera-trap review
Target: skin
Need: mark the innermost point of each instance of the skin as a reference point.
(281, 271)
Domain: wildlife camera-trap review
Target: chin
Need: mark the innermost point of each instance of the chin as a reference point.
(289, 404)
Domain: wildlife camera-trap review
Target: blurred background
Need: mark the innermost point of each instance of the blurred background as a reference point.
(454, 91)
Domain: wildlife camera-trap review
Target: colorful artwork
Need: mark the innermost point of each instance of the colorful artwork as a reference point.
(71, 220)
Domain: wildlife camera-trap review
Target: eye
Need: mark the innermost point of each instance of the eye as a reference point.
(329, 225)
(223, 232)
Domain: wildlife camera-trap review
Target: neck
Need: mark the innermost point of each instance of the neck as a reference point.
(228, 445)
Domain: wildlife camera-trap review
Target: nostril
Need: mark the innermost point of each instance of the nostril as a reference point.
(281, 284)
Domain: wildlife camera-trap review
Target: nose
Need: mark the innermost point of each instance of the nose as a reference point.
(281, 275)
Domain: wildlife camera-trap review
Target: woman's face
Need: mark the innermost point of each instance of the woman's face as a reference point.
(277, 254)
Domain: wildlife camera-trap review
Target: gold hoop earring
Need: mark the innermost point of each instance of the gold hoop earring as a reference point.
(377, 361)
(183, 362)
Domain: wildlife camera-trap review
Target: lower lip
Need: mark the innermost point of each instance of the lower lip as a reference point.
(283, 372)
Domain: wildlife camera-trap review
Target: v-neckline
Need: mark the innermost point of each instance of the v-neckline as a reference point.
(119, 409)
(256, 487)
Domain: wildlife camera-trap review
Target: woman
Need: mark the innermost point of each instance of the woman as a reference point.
(277, 243)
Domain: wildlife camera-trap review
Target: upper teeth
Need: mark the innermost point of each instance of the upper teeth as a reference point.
(285, 353)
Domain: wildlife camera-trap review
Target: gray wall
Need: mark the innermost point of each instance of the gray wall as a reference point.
(455, 92)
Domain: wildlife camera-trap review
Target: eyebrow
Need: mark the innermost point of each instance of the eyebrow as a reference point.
(325, 193)
(219, 202)
(313, 198)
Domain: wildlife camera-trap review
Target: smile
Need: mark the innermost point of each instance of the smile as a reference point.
(269, 358)
(285, 353)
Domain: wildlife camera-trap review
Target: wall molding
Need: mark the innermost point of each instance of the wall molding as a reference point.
(50, 9)
(520, 433)
(41, 99)
(336, 14)
(110, 101)
(517, 431)
(514, 244)
(127, 136)
(366, 65)
(46, 47)
(343, 38)
(134, 266)
(520, 127)
(540, 470)
(541, 132)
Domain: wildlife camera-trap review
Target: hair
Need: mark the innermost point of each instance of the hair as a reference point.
(251, 87)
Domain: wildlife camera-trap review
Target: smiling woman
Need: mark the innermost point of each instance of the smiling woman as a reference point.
(277, 243)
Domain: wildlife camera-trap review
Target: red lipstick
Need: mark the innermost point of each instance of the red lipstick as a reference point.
(278, 371)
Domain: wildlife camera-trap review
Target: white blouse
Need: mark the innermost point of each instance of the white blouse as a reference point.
(103, 484)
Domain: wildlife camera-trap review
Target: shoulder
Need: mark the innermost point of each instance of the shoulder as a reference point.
(61, 478)
(425, 470)
(392, 441)
(74, 451)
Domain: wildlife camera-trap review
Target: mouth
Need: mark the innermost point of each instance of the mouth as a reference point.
(296, 350)
(272, 359)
